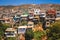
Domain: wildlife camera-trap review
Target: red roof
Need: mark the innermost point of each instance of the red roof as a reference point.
(51, 11)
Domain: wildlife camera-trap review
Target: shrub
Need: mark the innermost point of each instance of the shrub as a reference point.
(29, 35)
(39, 34)
(54, 31)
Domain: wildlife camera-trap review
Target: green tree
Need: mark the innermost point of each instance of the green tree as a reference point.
(11, 38)
(29, 35)
(54, 31)
(2, 29)
(39, 34)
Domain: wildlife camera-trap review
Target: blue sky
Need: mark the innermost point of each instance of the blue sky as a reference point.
(20, 2)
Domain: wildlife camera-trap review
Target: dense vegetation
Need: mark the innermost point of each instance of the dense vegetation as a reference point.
(39, 34)
(2, 29)
(54, 31)
(29, 35)
(11, 38)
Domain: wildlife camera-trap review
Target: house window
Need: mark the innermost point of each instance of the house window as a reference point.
(36, 12)
(58, 14)
(21, 30)
(47, 23)
(41, 14)
(10, 33)
(47, 20)
(29, 24)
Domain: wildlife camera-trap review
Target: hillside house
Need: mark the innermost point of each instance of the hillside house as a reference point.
(36, 19)
(5, 20)
(51, 13)
(36, 11)
(30, 24)
(57, 15)
(10, 32)
(42, 15)
(31, 14)
(24, 17)
(16, 18)
(21, 29)
(46, 24)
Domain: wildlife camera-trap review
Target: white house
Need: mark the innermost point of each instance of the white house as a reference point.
(57, 15)
(21, 29)
(31, 13)
(36, 11)
(31, 16)
(36, 16)
(43, 15)
(10, 32)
